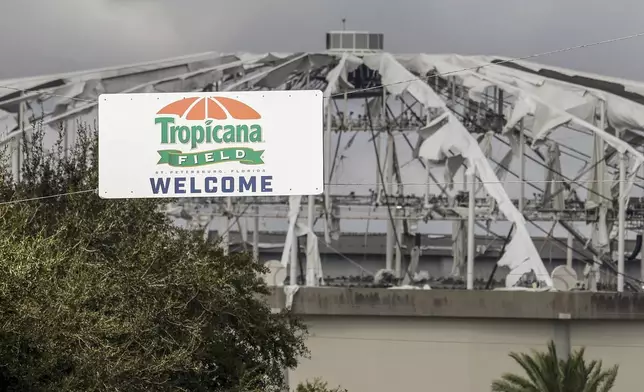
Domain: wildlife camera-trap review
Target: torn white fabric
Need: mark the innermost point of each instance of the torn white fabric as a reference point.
(277, 76)
(272, 76)
(314, 275)
(629, 85)
(546, 119)
(453, 139)
(523, 106)
(521, 255)
(550, 117)
(506, 162)
(290, 291)
(553, 191)
(623, 114)
(109, 72)
(459, 244)
(410, 287)
(293, 211)
(337, 78)
(399, 80)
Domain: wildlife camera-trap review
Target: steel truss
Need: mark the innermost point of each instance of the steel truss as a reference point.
(389, 123)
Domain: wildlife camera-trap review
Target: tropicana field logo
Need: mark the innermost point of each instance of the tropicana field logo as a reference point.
(196, 122)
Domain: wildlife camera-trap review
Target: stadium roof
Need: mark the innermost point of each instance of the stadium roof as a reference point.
(565, 130)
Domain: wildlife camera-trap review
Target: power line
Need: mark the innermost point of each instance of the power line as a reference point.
(484, 65)
(585, 257)
(335, 184)
(562, 50)
(464, 342)
(4, 203)
(580, 183)
(511, 60)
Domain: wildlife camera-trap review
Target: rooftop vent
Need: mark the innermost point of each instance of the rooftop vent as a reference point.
(354, 41)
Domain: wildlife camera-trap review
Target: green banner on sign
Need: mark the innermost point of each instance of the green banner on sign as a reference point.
(243, 155)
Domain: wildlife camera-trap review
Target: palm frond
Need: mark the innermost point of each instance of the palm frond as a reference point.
(516, 383)
(506, 386)
(546, 372)
(533, 368)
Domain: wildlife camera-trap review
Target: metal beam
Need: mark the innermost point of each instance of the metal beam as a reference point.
(470, 232)
(622, 217)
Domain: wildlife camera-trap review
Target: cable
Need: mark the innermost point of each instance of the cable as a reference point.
(579, 183)
(611, 266)
(511, 60)
(46, 92)
(585, 258)
(335, 184)
(349, 259)
(236, 218)
(4, 203)
(392, 221)
(484, 65)
(465, 342)
(590, 261)
(330, 247)
(374, 88)
(567, 180)
(561, 144)
(603, 42)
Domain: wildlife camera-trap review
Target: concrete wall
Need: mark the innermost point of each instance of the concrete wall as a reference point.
(457, 341)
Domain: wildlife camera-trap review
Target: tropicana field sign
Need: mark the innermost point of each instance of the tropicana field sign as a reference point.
(259, 143)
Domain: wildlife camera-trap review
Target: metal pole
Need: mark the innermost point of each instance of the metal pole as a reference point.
(453, 90)
(622, 223)
(327, 169)
(256, 235)
(66, 137)
(225, 238)
(499, 105)
(379, 142)
(642, 249)
(346, 111)
(642, 258)
(389, 165)
(17, 147)
(521, 168)
(470, 233)
(309, 237)
(398, 222)
(398, 253)
(428, 168)
(294, 253)
(569, 246)
(601, 168)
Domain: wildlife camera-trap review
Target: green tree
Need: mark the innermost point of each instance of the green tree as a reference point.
(546, 372)
(317, 386)
(105, 295)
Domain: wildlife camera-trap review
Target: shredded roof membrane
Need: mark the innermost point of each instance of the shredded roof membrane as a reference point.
(569, 120)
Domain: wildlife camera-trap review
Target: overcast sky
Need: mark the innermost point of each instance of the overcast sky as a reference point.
(48, 36)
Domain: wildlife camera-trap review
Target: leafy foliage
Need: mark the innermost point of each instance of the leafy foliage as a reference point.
(99, 295)
(317, 386)
(546, 372)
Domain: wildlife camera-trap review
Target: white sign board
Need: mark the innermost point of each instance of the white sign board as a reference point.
(253, 143)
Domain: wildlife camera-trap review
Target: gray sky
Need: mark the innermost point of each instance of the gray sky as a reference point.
(48, 36)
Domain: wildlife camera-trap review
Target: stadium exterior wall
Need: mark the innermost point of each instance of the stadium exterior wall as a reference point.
(458, 341)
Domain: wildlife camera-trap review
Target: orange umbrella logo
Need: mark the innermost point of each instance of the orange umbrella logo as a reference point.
(216, 108)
